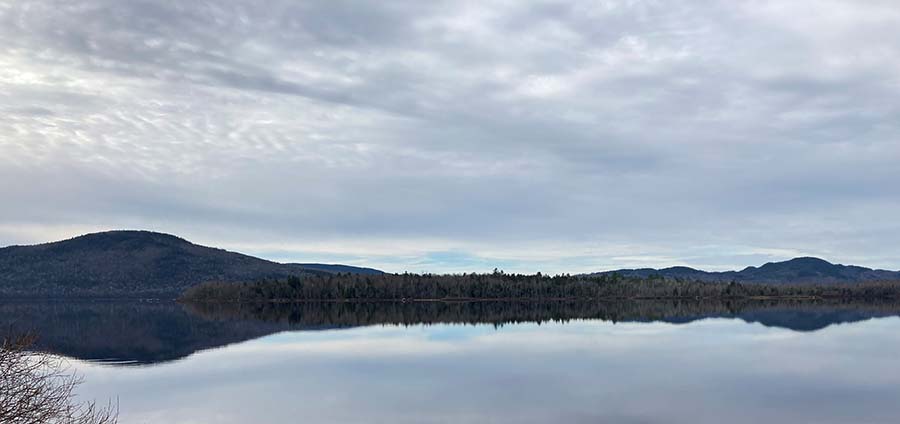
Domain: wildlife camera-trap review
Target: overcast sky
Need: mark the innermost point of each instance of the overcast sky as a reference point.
(459, 136)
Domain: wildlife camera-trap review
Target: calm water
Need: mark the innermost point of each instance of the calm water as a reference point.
(337, 364)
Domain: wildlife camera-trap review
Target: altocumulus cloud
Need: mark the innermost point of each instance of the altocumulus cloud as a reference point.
(451, 136)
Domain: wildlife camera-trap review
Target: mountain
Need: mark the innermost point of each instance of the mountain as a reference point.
(797, 270)
(134, 263)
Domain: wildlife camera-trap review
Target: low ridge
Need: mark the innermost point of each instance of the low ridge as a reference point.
(797, 270)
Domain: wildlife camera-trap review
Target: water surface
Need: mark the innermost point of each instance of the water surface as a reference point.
(775, 363)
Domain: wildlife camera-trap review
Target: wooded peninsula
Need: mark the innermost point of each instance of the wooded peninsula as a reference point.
(502, 286)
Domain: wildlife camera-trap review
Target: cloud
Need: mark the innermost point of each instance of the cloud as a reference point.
(541, 136)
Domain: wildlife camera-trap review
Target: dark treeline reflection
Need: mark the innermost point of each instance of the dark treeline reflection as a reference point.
(129, 332)
(797, 315)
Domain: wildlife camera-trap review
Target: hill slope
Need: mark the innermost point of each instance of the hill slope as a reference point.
(797, 270)
(334, 268)
(132, 263)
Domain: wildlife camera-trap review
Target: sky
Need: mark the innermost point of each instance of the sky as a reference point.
(451, 136)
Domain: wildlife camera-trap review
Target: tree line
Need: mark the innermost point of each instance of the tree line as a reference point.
(503, 286)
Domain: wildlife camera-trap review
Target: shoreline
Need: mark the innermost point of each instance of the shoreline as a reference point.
(548, 300)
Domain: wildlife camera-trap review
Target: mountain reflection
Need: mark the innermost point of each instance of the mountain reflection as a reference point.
(151, 332)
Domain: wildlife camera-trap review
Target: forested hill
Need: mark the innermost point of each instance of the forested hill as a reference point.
(798, 270)
(134, 263)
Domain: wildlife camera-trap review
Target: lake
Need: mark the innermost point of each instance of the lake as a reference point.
(638, 362)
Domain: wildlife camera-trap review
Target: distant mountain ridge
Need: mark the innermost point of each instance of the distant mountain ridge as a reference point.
(797, 270)
(151, 264)
(134, 263)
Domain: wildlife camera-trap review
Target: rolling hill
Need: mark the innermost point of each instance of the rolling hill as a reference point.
(134, 263)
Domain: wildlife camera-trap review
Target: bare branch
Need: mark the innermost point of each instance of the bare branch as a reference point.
(38, 388)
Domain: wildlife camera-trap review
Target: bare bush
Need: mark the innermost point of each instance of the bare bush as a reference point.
(38, 388)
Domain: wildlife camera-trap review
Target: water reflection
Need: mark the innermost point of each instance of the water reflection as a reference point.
(154, 332)
(707, 371)
(125, 332)
(794, 315)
